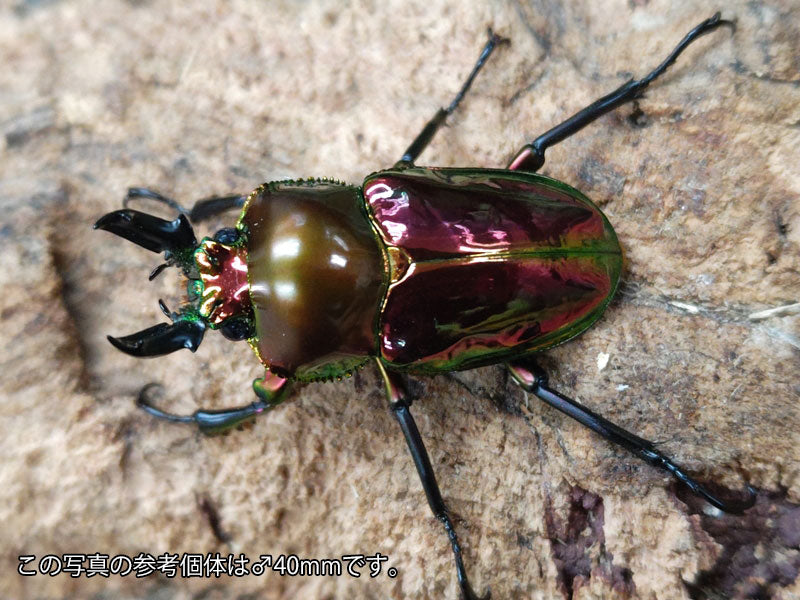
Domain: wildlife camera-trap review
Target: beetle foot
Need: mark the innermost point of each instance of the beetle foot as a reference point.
(732, 506)
(469, 594)
(496, 39)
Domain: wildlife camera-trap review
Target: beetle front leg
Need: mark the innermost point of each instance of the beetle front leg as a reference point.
(399, 402)
(532, 378)
(531, 157)
(426, 135)
(271, 391)
(202, 209)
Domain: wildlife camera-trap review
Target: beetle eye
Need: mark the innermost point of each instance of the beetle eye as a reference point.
(229, 235)
(237, 329)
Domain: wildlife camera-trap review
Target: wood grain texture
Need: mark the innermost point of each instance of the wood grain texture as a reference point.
(702, 186)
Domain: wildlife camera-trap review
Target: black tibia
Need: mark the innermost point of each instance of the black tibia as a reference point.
(208, 421)
(533, 379)
(400, 403)
(149, 232)
(531, 157)
(202, 209)
(426, 135)
(162, 338)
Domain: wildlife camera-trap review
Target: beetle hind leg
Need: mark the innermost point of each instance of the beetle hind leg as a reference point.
(431, 127)
(531, 156)
(532, 378)
(400, 402)
(200, 211)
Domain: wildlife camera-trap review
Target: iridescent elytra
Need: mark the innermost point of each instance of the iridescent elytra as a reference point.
(417, 270)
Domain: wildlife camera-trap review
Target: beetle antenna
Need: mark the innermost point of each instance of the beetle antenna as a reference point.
(163, 306)
(157, 271)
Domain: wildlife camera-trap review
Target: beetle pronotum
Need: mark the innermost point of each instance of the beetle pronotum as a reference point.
(419, 270)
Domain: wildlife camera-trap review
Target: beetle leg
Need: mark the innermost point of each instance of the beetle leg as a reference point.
(148, 194)
(531, 157)
(271, 391)
(532, 378)
(202, 209)
(216, 205)
(399, 402)
(426, 135)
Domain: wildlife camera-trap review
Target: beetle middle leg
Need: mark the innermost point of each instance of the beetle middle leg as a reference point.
(400, 402)
(531, 157)
(426, 135)
(532, 378)
(200, 211)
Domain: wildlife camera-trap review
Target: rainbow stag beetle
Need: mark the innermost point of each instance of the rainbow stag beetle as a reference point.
(420, 270)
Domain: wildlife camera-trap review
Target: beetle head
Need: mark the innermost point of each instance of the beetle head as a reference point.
(217, 289)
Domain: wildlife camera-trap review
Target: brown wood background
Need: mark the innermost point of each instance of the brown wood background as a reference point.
(215, 97)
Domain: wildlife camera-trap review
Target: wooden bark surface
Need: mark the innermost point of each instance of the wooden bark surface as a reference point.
(702, 186)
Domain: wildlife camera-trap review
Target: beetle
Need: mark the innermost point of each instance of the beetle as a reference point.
(418, 270)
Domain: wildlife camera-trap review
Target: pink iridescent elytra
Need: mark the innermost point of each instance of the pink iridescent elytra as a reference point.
(486, 264)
